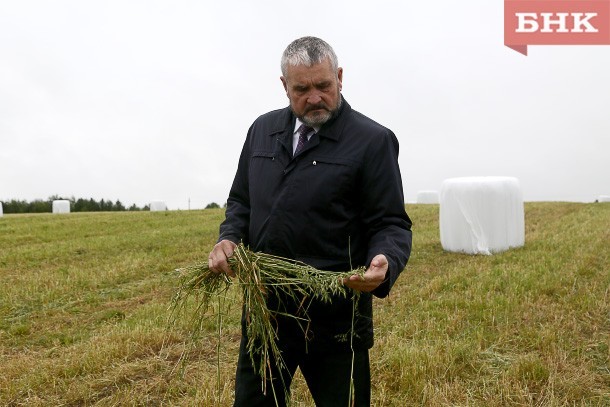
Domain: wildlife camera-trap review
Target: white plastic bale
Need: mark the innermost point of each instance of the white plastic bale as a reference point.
(1, 213)
(61, 206)
(427, 197)
(603, 198)
(156, 206)
(481, 215)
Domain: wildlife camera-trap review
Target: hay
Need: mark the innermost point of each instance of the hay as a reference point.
(427, 197)
(158, 206)
(481, 215)
(61, 206)
(257, 274)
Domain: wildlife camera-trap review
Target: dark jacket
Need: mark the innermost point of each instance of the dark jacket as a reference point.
(334, 206)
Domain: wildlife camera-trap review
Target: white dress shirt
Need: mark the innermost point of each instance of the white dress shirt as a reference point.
(295, 135)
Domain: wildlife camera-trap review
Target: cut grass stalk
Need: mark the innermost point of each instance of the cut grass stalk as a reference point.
(258, 274)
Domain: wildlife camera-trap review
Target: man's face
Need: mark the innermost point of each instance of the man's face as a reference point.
(314, 92)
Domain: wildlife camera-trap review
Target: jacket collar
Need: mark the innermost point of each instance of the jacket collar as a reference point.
(332, 129)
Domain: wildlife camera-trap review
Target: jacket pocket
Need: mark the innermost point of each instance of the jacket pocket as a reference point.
(329, 180)
(265, 173)
(333, 161)
(263, 154)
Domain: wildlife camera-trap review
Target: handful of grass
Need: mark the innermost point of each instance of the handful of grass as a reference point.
(257, 274)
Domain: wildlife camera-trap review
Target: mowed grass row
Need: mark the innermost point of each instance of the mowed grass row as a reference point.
(84, 307)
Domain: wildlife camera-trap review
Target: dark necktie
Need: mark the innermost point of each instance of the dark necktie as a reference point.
(303, 132)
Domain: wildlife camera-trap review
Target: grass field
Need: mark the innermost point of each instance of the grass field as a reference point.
(84, 306)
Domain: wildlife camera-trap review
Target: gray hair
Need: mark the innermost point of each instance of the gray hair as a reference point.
(308, 51)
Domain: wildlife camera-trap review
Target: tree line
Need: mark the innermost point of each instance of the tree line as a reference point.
(76, 205)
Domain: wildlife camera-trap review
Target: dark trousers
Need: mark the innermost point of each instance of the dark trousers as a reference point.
(327, 374)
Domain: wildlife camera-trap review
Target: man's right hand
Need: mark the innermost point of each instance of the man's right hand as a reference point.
(218, 258)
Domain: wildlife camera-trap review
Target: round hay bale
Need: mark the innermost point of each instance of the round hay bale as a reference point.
(427, 197)
(61, 206)
(156, 206)
(481, 215)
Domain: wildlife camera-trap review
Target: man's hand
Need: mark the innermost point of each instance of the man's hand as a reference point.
(218, 258)
(372, 278)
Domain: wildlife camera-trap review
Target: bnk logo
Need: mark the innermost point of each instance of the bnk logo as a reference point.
(552, 22)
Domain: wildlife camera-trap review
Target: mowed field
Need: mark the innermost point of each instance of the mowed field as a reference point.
(84, 308)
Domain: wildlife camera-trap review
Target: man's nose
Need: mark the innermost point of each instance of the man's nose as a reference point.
(314, 99)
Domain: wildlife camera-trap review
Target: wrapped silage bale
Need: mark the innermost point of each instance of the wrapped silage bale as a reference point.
(427, 197)
(481, 215)
(1, 213)
(156, 206)
(601, 198)
(61, 206)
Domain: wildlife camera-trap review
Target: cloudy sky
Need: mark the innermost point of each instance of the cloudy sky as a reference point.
(151, 100)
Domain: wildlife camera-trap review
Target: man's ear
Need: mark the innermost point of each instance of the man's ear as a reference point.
(340, 77)
(284, 83)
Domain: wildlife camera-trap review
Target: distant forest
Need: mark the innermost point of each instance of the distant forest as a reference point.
(76, 205)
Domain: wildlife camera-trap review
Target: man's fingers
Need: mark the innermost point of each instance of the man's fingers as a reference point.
(372, 278)
(218, 258)
(214, 264)
(359, 282)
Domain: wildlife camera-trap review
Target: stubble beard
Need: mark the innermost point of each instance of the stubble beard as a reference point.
(319, 118)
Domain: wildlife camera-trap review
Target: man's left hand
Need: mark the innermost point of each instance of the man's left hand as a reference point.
(372, 278)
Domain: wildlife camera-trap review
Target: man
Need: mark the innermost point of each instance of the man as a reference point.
(318, 182)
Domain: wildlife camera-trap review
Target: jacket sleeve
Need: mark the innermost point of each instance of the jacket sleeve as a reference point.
(384, 214)
(237, 216)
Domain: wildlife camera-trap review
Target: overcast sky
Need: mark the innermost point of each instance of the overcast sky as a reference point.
(151, 100)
